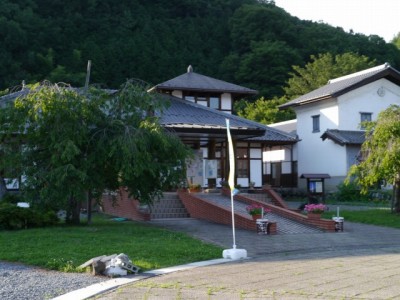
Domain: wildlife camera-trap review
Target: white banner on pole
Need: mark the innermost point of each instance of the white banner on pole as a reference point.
(233, 253)
(231, 178)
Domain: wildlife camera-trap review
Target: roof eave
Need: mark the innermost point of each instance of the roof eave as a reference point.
(306, 102)
(169, 88)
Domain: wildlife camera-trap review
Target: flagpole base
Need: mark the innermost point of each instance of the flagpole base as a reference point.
(234, 254)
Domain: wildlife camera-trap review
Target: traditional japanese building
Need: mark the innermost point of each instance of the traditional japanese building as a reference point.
(199, 108)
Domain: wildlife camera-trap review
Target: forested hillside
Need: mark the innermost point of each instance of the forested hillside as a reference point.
(248, 42)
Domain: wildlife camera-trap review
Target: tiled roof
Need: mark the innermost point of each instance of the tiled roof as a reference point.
(342, 85)
(197, 82)
(275, 135)
(344, 137)
(184, 114)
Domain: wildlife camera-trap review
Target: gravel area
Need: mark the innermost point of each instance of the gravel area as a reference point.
(23, 282)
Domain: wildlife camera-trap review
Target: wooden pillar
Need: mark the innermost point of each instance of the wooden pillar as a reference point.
(212, 182)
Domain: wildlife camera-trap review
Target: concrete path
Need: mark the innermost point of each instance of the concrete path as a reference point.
(361, 263)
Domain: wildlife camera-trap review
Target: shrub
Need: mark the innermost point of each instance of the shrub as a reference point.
(13, 217)
(11, 198)
(350, 192)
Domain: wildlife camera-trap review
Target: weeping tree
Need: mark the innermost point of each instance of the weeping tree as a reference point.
(72, 144)
(381, 154)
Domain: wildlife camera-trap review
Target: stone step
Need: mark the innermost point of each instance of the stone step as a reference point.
(170, 206)
(169, 210)
(169, 215)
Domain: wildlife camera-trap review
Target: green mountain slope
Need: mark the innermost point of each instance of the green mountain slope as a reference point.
(249, 42)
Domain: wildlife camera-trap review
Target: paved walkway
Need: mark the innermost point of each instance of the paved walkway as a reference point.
(361, 263)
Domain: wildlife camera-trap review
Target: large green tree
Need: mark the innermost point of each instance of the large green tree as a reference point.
(70, 144)
(304, 80)
(242, 41)
(266, 111)
(396, 41)
(381, 154)
(321, 69)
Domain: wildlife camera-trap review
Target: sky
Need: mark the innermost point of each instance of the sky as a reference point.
(379, 17)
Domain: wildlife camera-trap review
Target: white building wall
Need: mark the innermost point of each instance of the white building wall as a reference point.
(278, 154)
(177, 94)
(315, 155)
(344, 113)
(226, 102)
(371, 98)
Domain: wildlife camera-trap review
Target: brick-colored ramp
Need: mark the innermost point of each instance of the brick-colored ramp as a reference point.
(284, 225)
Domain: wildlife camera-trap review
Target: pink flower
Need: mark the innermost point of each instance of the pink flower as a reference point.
(315, 208)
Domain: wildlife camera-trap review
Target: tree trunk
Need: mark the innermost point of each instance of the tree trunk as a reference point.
(3, 188)
(397, 194)
(74, 211)
(89, 207)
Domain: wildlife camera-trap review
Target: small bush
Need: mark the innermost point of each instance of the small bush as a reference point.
(350, 192)
(11, 198)
(13, 217)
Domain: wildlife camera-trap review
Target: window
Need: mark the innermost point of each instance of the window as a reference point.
(202, 101)
(242, 168)
(315, 123)
(212, 101)
(365, 117)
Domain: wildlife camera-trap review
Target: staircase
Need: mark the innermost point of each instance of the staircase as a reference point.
(168, 207)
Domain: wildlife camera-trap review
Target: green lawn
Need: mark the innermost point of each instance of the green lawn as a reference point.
(66, 247)
(382, 217)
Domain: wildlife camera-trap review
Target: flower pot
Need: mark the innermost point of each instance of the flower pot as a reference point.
(255, 217)
(314, 216)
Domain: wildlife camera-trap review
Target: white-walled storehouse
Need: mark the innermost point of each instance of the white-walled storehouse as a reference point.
(329, 120)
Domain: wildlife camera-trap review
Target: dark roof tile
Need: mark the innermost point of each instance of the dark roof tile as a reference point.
(344, 137)
(198, 82)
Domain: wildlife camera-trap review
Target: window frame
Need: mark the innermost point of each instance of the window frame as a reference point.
(316, 123)
(201, 99)
(362, 113)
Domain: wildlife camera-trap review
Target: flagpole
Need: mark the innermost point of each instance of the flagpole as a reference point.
(232, 253)
(233, 221)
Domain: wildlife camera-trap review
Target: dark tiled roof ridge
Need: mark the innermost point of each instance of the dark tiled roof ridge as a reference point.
(224, 85)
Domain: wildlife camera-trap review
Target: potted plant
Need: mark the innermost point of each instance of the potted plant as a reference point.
(315, 210)
(257, 210)
(194, 188)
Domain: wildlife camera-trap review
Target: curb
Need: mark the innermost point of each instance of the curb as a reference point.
(102, 287)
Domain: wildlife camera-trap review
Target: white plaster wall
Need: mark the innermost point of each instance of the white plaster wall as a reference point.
(366, 99)
(315, 155)
(255, 153)
(177, 94)
(255, 172)
(276, 154)
(226, 101)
